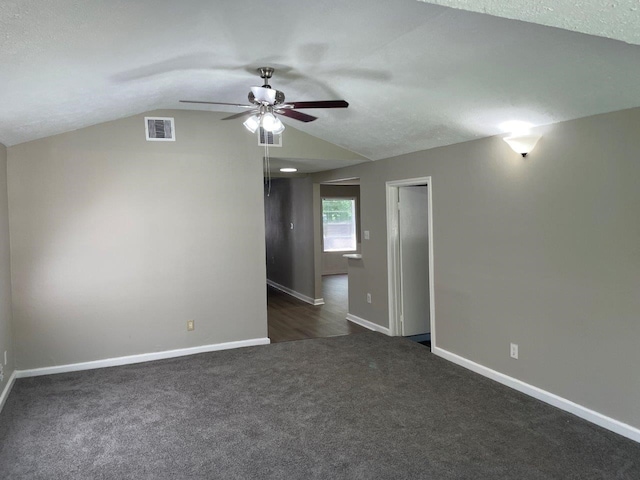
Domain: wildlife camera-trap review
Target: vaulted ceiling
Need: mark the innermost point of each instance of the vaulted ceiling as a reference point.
(416, 75)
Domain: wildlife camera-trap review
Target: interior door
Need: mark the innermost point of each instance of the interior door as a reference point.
(414, 259)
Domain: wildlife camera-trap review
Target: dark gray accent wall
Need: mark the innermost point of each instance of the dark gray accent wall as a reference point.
(290, 252)
(542, 251)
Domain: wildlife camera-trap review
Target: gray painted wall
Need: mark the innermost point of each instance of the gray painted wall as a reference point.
(117, 242)
(290, 253)
(542, 251)
(6, 331)
(334, 262)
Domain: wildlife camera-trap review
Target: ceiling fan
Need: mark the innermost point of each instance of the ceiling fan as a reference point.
(266, 102)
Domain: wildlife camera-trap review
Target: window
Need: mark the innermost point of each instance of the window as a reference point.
(339, 224)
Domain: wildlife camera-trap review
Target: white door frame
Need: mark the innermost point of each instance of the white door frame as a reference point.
(393, 254)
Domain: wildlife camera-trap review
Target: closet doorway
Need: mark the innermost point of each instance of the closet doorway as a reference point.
(410, 258)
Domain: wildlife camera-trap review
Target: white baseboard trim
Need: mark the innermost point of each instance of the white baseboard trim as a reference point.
(592, 416)
(7, 389)
(144, 357)
(367, 324)
(293, 293)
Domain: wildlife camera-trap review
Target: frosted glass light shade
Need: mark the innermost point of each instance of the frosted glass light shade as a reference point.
(278, 126)
(252, 123)
(269, 122)
(522, 144)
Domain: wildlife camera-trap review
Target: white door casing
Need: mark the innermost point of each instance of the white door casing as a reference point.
(393, 254)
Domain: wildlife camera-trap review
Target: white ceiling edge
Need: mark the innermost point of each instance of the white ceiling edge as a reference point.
(615, 19)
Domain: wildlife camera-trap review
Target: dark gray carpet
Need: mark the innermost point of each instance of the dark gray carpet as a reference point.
(359, 407)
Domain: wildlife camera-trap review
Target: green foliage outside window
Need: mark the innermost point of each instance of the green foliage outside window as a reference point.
(339, 224)
(337, 210)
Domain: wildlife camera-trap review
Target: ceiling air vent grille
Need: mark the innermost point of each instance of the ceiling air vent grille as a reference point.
(269, 138)
(160, 129)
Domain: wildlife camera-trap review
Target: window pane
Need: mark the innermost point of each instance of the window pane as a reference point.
(339, 224)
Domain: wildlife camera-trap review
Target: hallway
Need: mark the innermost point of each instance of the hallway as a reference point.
(292, 319)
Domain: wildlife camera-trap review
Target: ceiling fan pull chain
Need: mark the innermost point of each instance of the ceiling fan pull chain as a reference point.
(267, 167)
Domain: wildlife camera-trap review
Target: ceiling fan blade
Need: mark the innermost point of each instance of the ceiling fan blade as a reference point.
(320, 104)
(218, 103)
(303, 117)
(241, 114)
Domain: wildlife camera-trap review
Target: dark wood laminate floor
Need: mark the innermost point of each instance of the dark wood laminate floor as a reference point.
(292, 319)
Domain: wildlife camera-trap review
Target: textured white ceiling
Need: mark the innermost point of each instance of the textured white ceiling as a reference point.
(416, 75)
(617, 19)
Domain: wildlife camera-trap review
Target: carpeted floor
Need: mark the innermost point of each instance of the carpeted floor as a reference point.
(356, 407)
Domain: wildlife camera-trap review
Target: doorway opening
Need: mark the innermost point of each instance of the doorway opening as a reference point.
(410, 259)
(307, 285)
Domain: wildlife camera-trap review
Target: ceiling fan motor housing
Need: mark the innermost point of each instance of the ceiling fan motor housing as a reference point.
(279, 96)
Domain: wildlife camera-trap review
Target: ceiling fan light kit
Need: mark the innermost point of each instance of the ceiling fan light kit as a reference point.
(265, 119)
(271, 123)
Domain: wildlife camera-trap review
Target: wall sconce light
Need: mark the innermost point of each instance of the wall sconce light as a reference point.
(522, 144)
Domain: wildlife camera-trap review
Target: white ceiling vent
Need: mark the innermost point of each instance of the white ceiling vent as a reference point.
(269, 138)
(160, 129)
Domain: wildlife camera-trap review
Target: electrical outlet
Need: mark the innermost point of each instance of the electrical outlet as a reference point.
(368, 298)
(190, 325)
(514, 350)
(291, 226)
(366, 234)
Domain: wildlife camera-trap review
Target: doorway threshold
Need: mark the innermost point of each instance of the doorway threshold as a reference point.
(425, 337)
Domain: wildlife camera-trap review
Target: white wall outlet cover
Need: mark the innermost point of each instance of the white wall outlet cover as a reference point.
(366, 234)
(514, 350)
(368, 298)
